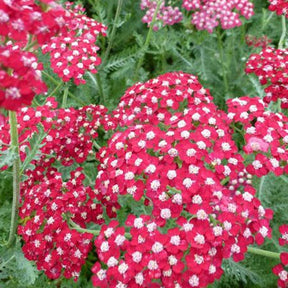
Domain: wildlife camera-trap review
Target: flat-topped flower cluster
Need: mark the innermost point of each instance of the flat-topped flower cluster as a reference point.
(66, 33)
(173, 150)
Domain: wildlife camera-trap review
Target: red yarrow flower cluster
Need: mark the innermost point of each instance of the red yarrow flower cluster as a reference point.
(167, 15)
(20, 77)
(270, 66)
(265, 134)
(208, 14)
(20, 18)
(49, 200)
(279, 6)
(56, 248)
(280, 269)
(69, 132)
(256, 42)
(176, 132)
(73, 50)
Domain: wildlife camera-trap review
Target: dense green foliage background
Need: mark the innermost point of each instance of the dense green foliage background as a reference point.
(218, 60)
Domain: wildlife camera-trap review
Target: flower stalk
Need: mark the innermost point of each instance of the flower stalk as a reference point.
(117, 15)
(224, 70)
(283, 35)
(265, 253)
(16, 176)
(148, 38)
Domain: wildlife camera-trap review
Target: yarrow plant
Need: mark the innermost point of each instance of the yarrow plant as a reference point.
(159, 191)
(209, 213)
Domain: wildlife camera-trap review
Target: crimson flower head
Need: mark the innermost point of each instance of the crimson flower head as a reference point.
(20, 77)
(73, 50)
(271, 67)
(279, 6)
(177, 154)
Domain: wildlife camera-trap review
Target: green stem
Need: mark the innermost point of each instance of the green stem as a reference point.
(279, 110)
(224, 72)
(16, 177)
(101, 93)
(69, 93)
(119, 6)
(75, 226)
(148, 38)
(265, 253)
(261, 187)
(265, 22)
(283, 35)
(64, 102)
(55, 90)
(96, 145)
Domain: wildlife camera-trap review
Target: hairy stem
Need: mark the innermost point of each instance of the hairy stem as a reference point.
(265, 253)
(148, 38)
(76, 227)
(119, 6)
(69, 93)
(65, 96)
(101, 93)
(16, 177)
(283, 35)
(224, 71)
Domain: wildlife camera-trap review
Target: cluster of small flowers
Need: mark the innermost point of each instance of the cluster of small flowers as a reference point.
(167, 15)
(279, 6)
(151, 255)
(56, 248)
(281, 269)
(46, 198)
(266, 135)
(176, 132)
(158, 99)
(255, 42)
(21, 18)
(24, 25)
(20, 71)
(172, 130)
(271, 67)
(20, 77)
(210, 13)
(69, 132)
(73, 50)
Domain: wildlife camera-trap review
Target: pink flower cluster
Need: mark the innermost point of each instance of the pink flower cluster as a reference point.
(20, 77)
(271, 67)
(167, 15)
(279, 6)
(73, 50)
(281, 269)
(211, 13)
